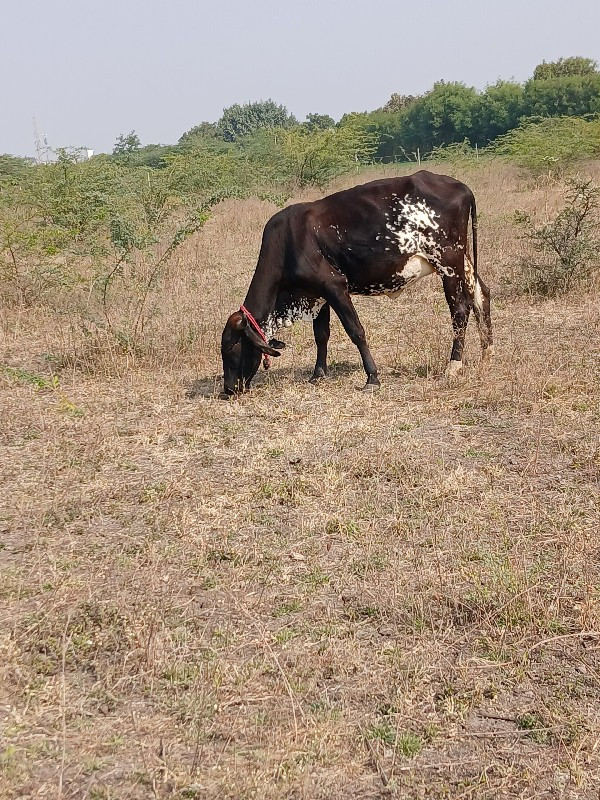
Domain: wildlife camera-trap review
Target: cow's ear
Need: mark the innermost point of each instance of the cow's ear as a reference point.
(277, 344)
(237, 321)
(253, 336)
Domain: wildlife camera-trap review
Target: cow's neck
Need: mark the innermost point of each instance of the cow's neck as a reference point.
(261, 298)
(282, 309)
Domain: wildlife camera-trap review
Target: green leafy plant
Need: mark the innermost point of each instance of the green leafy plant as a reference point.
(145, 231)
(316, 157)
(238, 121)
(551, 145)
(565, 250)
(534, 724)
(125, 145)
(49, 221)
(459, 154)
(565, 67)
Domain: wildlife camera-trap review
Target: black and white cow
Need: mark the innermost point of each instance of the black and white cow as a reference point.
(373, 239)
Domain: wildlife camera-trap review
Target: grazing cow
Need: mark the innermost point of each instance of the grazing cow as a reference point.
(373, 239)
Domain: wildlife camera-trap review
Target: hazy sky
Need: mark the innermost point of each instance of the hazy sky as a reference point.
(89, 71)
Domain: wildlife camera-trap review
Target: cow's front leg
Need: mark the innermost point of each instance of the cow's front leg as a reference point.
(342, 304)
(321, 331)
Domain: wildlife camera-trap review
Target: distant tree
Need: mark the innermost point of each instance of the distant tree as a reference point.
(498, 110)
(572, 96)
(156, 156)
(205, 130)
(565, 68)
(126, 144)
(398, 102)
(383, 127)
(389, 129)
(442, 116)
(352, 117)
(239, 121)
(316, 157)
(318, 122)
(13, 165)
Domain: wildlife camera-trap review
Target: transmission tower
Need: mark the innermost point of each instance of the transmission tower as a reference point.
(41, 143)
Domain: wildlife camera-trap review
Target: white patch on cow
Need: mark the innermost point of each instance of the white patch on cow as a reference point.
(302, 310)
(478, 297)
(416, 231)
(419, 214)
(415, 268)
(470, 276)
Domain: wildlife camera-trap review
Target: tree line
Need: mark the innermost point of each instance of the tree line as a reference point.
(450, 112)
(407, 127)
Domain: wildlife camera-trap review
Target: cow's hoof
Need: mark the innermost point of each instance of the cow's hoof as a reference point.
(453, 370)
(371, 386)
(317, 378)
(487, 355)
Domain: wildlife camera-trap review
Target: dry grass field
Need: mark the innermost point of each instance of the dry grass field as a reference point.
(308, 592)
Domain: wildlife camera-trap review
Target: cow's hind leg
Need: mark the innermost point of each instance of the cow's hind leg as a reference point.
(481, 308)
(321, 331)
(460, 302)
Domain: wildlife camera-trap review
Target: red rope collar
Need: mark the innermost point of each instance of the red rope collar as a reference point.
(259, 330)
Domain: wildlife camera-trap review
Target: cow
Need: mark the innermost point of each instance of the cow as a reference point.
(373, 239)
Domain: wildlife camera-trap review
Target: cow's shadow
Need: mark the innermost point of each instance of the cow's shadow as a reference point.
(339, 369)
(413, 371)
(299, 375)
(210, 386)
(207, 388)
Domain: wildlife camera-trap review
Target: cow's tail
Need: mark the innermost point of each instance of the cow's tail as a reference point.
(474, 231)
(481, 294)
(475, 285)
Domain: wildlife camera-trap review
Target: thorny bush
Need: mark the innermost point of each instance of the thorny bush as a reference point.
(565, 249)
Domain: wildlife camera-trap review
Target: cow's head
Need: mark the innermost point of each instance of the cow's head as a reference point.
(241, 350)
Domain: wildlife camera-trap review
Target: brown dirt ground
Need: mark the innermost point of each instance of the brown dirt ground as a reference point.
(309, 592)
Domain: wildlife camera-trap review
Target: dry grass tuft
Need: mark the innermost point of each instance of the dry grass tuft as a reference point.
(309, 592)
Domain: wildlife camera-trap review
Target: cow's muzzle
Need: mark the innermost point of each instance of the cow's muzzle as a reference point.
(229, 391)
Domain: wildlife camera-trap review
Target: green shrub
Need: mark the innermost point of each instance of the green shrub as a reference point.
(551, 145)
(239, 121)
(460, 155)
(314, 158)
(566, 249)
(95, 237)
